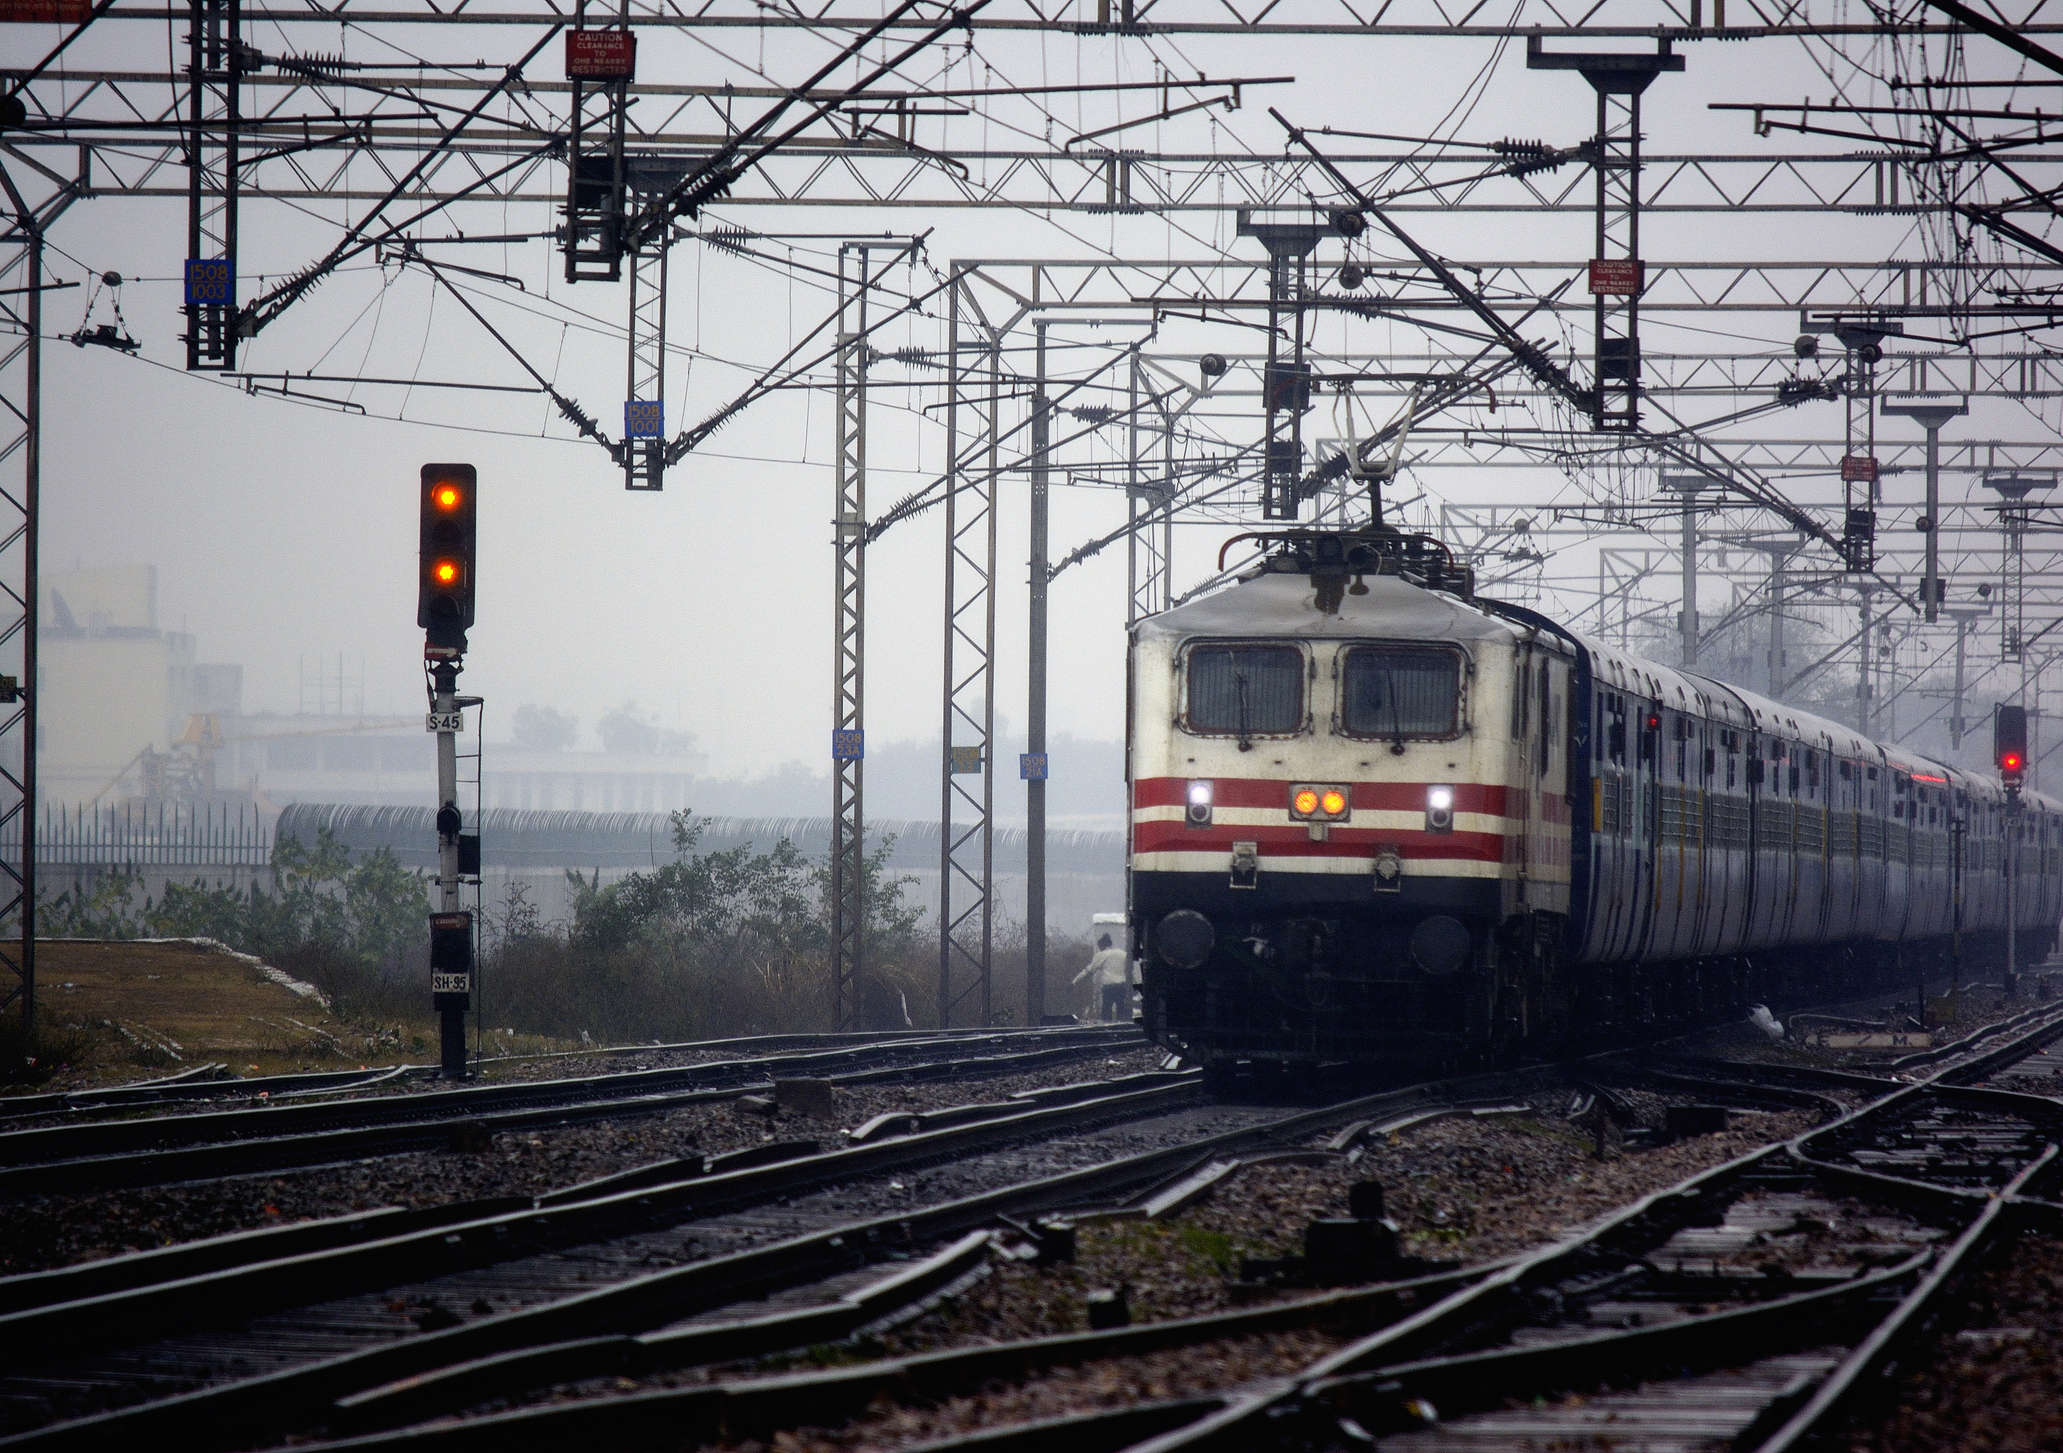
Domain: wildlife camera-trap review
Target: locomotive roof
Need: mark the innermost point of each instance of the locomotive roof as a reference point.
(1286, 604)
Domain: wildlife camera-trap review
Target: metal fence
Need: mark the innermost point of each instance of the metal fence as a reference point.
(163, 835)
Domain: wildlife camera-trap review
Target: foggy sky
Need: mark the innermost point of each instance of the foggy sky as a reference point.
(284, 533)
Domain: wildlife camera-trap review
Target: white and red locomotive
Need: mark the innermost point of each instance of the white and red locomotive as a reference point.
(1375, 819)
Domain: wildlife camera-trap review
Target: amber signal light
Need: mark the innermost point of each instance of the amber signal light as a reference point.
(444, 593)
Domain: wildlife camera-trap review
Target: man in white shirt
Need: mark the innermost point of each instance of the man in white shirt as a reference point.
(1111, 973)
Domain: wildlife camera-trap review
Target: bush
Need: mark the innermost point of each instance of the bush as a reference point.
(708, 946)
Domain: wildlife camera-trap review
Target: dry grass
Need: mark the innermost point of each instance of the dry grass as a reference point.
(114, 1012)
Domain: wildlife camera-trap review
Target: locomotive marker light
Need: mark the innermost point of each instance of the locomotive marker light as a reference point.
(1197, 811)
(1439, 809)
(1318, 802)
(445, 580)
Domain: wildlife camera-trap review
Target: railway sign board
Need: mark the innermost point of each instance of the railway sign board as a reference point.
(601, 55)
(644, 418)
(46, 12)
(1617, 275)
(848, 744)
(210, 281)
(1859, 469)
(965, 759)
(1031, 766)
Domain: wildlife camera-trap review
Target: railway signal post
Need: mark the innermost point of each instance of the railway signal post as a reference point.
(2009, 750)
(444, 608)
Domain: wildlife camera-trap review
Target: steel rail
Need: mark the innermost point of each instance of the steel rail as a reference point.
(215, 1417)
(760, 1407)
(241, 1142)
(1250, 1421)
(1837, 1391)
(234, 1293)
(140, 1269)
(204, 1081)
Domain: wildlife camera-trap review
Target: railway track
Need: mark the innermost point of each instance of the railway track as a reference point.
(496, 1301)
(1823, 1254)
(273, 1136)
(218, 1083)
(1749, 1307)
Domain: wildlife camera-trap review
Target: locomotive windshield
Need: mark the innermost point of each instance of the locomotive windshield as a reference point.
(1246, 690)
(1399, 691)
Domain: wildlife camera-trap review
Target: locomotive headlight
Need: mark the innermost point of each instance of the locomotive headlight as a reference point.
(1439, 809)
(1198, 810)
(1317, 802)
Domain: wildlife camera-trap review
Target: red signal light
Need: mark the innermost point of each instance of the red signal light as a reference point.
(2012, 762)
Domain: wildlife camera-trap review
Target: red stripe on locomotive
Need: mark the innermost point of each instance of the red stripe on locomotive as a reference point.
(1291, 841)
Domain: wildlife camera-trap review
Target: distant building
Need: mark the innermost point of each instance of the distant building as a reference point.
(119, 697)
(129, 715)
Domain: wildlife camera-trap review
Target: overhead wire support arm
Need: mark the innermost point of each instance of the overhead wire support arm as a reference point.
(1531, 356)
(773, 377)
(573, 413)
(713, 179)
(1994, 29)
(1683, 446)
(261, 311)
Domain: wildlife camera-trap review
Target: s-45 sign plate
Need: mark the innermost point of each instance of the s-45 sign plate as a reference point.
(444, 721)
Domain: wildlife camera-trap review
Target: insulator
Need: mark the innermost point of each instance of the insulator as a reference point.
(730, 239)
(1094, 414)
(1525, 156)
(318, 63)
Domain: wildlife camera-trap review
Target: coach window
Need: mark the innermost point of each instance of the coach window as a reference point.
(1545, 723)
(1243, 690)
(1400, 691)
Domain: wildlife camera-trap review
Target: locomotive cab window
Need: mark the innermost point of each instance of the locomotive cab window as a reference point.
(1245, 689)
(1399, 691)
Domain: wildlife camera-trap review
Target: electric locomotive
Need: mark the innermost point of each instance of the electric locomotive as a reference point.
(1376, 818)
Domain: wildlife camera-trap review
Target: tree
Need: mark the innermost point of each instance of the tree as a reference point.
(631, 732)
(544, 729)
